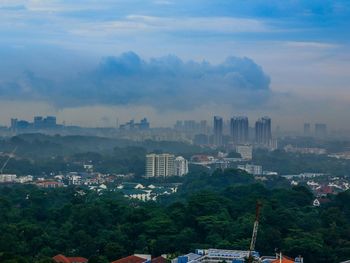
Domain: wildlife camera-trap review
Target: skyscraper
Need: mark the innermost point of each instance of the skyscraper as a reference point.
(218, 129)
(239, 128)
(263, 131)
(307, 129)
(321, 130)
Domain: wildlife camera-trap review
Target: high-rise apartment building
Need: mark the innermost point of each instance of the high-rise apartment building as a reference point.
(160, 165)
(181, 166)
(321, 130)
(307, 129)
(263, 131)
(239, 129)
(218, 130)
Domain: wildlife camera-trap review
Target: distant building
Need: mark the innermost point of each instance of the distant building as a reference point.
(181, 166)
(239, 129)
(144, 124)
(49, 184)
(132, 125)
(304, 150)
(320, 130)
(251, 169)
(201, 139)
(8, 178)
(246, 151)
(203, 126)
(307, 129)
(160, 165)
(218, 130)
(13, 126)
(215, 256)
(263, 131)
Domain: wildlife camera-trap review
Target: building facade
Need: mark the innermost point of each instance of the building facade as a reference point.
(263, 134)
(218, 130)
(160, 165)
(181, 166)
(239, 129)
(246, 151)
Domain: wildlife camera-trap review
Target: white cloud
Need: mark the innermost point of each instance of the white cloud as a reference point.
(141, 23)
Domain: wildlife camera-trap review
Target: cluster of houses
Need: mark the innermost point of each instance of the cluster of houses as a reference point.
(199, 256)
(137, 258)
(146, 193)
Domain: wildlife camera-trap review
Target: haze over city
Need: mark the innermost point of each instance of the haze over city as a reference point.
(90, 62)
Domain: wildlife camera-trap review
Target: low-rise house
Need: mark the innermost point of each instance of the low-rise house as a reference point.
(130, 259)
(63, 259)
(49, 184)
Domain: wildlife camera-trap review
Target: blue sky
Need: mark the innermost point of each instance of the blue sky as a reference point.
(48, 48)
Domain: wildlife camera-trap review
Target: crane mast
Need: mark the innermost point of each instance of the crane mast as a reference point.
(8, 159)
(255, 228)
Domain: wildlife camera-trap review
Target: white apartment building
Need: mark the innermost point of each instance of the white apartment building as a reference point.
(251, 169)
(160, 165)
(7, 178)
(181, 166)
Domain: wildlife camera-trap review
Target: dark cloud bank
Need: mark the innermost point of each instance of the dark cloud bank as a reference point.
(166, 82)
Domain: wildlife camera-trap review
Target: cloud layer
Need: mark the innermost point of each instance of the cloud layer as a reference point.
(163, 83)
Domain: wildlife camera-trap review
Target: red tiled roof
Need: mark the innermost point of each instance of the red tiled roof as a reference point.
(63, 259)
(78, 260)
(158, 260)
(130, 259)
(284, 260)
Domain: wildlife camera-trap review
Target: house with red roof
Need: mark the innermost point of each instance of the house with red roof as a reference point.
(131, 259)
(63, 259)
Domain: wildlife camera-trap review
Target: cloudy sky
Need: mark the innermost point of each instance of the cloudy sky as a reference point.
(92, 61)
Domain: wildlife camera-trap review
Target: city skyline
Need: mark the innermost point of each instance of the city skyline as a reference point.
(289, 61)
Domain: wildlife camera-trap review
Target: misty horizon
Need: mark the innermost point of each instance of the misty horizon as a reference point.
(86, 64)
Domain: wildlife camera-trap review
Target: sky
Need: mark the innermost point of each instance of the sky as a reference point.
(91, 61)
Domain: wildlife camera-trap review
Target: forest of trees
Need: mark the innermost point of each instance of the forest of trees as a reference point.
(208, 211)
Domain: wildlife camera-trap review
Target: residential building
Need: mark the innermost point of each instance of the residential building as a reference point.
(8, 178)
(307, 129)
(239, 129)
(263, 131)
(320, 130)
(215, 256)
(246, 151)
(49, 184)
(63, 259)
(218, 130)
(160, 165)
(251, 169)
(181, 166)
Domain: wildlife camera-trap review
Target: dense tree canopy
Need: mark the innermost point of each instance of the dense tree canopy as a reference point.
(36, 223)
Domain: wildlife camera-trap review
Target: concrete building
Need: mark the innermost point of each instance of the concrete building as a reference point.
(215, 256)
(160, 165)
(251, 169)
(246, 151)
(307, 129)
(239, 129)
(263, 131)
(181, 166)
(218, 131)
(8, 178)
(320, 130)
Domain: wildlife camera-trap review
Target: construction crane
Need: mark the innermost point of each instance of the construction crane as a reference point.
(8, 159)
(255, 231)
